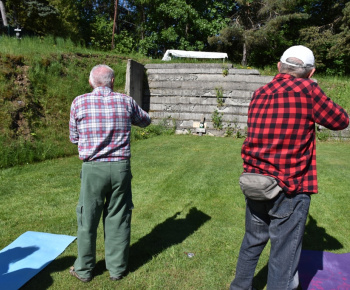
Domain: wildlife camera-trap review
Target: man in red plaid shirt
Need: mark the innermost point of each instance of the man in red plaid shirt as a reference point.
(279, 161)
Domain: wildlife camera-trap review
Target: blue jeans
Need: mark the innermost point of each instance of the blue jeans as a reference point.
(282, 220)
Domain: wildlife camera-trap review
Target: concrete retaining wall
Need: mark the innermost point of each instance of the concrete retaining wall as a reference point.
(134, 80)
(187, 93)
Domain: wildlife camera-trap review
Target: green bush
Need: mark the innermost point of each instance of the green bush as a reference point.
(165, 127)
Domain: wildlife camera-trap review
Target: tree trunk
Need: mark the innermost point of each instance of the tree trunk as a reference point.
(3, 13)
(244, 58)
(114, 22)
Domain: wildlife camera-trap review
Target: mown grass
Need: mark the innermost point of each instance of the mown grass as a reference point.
(187, 199)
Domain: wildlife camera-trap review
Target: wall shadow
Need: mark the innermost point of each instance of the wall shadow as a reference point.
(146, 93)
(170, 232)
(315, 239)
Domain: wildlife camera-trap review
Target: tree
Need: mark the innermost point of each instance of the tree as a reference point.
(177, 24)
(36, 16)
(41, 17)
(329, 35)
(258, 29)
(3, 13)
(67, 24)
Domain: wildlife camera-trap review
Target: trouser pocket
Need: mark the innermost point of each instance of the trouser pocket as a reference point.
(79, 210)
(283, 207)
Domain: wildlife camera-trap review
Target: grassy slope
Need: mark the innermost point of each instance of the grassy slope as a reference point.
(187, 199)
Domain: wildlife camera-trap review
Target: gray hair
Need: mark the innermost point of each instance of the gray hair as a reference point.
(299, 71)
(101, 76)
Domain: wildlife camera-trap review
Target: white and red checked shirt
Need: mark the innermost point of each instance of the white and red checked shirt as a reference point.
(100, 123)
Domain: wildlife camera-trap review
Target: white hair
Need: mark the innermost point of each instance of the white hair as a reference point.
(101, 76)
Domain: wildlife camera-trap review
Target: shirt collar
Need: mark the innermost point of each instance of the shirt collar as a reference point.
(284, 76)
(105, 91)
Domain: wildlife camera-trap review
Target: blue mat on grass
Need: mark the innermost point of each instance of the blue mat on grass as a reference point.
(28, 255)
(324, 271)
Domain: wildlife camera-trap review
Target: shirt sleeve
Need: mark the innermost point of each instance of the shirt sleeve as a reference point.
(73, 130)
(327, 113)
(139, 117)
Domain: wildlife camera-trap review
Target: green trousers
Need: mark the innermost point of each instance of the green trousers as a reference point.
(105, 188)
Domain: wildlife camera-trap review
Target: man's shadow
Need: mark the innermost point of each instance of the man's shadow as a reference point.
(42, 280)
(315, 239)
(170, 232)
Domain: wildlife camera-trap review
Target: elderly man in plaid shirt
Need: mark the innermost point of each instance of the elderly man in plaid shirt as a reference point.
(100, 124)
(279, 161)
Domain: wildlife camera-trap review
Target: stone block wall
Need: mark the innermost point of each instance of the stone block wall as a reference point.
(188, 94)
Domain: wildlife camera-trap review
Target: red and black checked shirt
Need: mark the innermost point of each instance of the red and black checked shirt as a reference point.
(100, 123)
(281, 131)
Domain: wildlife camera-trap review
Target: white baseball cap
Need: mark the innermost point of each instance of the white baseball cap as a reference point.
(301, 52)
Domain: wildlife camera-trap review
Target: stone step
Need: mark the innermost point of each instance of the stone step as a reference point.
(209, 78)
(181, 116)
(187, 65)
(244, 86)
(198, 93)
(199, 100)
(198, 108)
(209, 70)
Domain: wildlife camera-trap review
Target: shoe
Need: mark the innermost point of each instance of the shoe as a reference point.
(116, 278)
(74, 274)
(120, 276)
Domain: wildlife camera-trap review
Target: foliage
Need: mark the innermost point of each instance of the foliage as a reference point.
(179, 24)
(36, 93)
(101, 37)
(258, 30)
(101, 33)
(329, 37)
(219, 97)
(216, 119)
(233, 131)
(57, 17)
(165, 127)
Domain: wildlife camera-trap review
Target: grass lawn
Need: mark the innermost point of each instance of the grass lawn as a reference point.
(187, 200)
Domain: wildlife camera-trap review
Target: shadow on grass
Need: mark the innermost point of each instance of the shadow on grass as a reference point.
(315, 238)
(170, 232)
(43, 280)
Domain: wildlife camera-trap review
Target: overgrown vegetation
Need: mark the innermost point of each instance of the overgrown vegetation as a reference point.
(37, 85)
